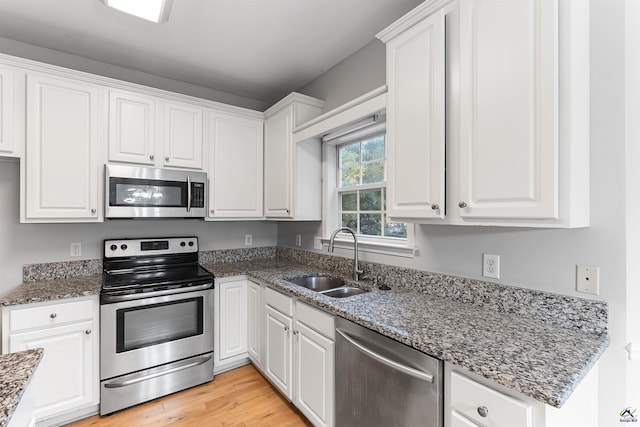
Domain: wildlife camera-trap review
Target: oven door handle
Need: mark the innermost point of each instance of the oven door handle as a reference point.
(190, 364)
(130, 297)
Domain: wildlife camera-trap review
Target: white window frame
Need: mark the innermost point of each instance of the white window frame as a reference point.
(331, 205)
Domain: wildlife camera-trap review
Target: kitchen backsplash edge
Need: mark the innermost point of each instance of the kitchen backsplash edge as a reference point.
(560, 310)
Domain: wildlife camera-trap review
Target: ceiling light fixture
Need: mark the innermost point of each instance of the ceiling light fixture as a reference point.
(152, 10)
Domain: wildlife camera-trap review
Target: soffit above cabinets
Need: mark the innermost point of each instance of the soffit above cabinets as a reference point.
(257, 49)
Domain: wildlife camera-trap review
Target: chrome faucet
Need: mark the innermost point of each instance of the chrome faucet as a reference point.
(356, 271)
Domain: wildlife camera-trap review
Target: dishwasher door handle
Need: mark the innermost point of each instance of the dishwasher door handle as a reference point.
(385, 360)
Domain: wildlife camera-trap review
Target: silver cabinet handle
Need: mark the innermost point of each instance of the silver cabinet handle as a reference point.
(53, 315)
(435, 207)
(386, 361)
(151, 157)
(212, 211)
(483, 411)
(286, 328)
(93, 211)
(88, 332)
(295, 332)
(166, 158)
(462, 205)
(287, 211)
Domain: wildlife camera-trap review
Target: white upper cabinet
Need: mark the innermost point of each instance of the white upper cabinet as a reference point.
(508, 109)
(516, 105)
(292, 174)
(416, 121)
(235, 166)
(183, 135)
(132, 126)
(152, 131)
(61, 166)
(7, 143)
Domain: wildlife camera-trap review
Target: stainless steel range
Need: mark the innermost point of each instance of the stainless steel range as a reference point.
(156, 320)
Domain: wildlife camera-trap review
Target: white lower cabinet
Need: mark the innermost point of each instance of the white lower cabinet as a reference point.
(66, 381)
(299, 355)
(474, 401)
(255, 307)
(230, 324)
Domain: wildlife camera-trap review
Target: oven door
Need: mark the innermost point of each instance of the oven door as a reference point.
(148, 332)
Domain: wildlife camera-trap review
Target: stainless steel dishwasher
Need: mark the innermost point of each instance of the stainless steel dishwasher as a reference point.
(381, 382)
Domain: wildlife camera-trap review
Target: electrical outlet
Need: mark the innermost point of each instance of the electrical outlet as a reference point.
(588, 279)
(248, 239)
(76, 249)
(298, 239)
(491, 266)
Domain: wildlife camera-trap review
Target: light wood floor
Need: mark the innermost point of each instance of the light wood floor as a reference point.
(241, 397)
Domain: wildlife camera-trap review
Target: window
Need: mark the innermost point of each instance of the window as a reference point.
(361, 186)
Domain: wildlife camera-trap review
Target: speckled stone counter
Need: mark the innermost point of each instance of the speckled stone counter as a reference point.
(534, 357)
(50, 290)
(16, 371)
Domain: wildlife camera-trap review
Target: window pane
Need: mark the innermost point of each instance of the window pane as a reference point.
(349, 201)
(373, 173)
(395, 229)
(350, 176)
(370, 200)
(373, 149)
(349, 220)
(371, 224)
(350, 154)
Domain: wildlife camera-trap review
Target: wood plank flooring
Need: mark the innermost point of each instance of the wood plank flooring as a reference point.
(239, 398)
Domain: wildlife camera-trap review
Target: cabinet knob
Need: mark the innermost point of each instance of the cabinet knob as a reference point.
(166, 158)
(435, 207)
(88, 332)
(212, 211)
(151, 157)
(483, 411)
(93, 211)
(288, 212)
(53, 315)
(286, 328)
(295, 332)
(462, 205)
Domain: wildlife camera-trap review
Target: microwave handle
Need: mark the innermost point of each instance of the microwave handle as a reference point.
(188, 193)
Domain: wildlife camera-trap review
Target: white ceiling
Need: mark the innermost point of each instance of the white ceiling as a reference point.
(261, 49)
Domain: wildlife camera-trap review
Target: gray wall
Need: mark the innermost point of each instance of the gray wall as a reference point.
(36, 243)
(62, 59)
(537, 259)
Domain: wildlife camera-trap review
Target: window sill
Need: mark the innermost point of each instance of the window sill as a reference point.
(376, 248)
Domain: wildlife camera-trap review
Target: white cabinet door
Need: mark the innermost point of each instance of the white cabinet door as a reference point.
(132, 122)
(7, 143)
(62, 150)
(65, 377)
(254, 322)
(416, 121)
(458, 420)
(278, 362)
(182, 135)
(235, 167)
(508, 109)
(278, 163)
(314, 375)
(233, 319)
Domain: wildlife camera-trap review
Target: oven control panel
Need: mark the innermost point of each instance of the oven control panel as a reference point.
(142, 247)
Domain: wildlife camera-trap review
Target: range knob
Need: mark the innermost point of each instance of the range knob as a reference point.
(123, 247)
(190, 243)
(182, 244)
(113, 247)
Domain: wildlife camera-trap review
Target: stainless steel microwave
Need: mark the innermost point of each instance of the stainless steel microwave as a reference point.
(139, 192)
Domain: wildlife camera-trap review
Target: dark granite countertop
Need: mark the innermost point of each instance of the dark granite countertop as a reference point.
(535, 358)
(16, 371)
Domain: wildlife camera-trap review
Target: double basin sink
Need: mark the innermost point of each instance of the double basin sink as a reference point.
(333, 287)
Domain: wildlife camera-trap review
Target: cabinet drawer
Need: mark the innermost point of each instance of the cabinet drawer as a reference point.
(316, 319)
(50, 315)
(467, 396)
(280, 302)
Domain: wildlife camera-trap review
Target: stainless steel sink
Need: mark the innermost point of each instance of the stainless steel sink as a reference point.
(317, 283)
(344, 292)
(334, 287)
